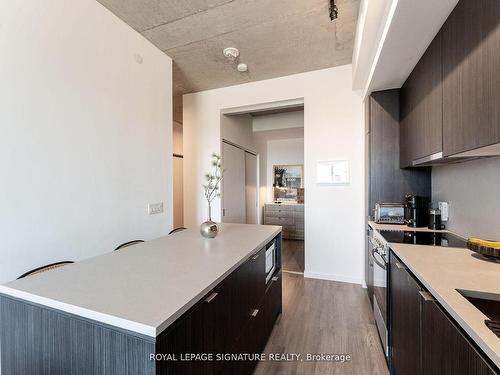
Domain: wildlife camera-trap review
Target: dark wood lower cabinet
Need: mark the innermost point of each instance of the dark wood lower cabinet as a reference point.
(425, 340)
(255, 335)
(237, 317)
(405, 307)
(445, 350)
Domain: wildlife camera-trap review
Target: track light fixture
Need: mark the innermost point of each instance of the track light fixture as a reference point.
(334, 11)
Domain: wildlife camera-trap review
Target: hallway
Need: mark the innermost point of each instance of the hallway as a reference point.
(293, 256)
(325, 317)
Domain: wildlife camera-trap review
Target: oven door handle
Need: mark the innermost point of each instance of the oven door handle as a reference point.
(380, 264)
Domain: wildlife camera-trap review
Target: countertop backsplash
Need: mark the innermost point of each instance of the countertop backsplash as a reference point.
(471, 189)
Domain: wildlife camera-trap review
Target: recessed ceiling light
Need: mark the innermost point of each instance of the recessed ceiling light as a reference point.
(231, 53)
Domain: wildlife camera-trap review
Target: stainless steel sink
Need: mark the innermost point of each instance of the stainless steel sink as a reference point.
(488, 304)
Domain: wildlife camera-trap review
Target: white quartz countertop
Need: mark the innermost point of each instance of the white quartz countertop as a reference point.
(145, 287)
(442, 270)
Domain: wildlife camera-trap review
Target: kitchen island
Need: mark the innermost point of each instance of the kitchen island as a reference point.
(147, 309)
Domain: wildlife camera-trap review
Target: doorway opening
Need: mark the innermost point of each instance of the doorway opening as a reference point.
(263, 155)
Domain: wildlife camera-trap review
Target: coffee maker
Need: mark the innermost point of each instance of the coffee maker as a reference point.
(416, 211)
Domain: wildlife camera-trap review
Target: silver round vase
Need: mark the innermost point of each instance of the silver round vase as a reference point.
(209, 229)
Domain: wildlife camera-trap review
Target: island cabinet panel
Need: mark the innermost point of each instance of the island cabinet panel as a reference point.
(445, 350)
(236, 317)
(405, 307)
(471, 76)
(254, 337)
(252, 284)
(38, 340)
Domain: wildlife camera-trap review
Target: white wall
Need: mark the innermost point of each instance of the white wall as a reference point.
(86, 133)
(177, 138)
(333, 129)
(284, 120)
(471, 189)
(282, 152)
(237, 129)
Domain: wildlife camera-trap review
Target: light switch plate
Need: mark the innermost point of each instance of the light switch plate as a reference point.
(155, 208)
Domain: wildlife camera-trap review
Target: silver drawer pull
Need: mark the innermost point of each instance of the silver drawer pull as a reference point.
(274, 278)
(427, 297)
(254, 313)
(211, 297)
(401, 266)
(255, 256)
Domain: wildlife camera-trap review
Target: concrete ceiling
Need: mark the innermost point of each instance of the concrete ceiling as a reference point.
(275, 37)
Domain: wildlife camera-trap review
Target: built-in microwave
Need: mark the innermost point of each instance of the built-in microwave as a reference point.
(270, 260)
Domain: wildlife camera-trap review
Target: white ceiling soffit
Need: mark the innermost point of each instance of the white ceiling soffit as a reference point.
(371, 23)
(406, 30)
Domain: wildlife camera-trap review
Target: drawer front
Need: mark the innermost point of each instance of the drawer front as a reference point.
(299, 217)
(280, 213)
(276, 220)
(299, 208)
(279, 207)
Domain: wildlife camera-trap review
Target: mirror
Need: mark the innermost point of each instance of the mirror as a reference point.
(288, 183)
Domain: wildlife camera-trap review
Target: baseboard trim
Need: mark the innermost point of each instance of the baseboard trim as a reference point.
(332, 277)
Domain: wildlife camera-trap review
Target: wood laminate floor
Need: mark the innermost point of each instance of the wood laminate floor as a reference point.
(324, 317)
(293, 255)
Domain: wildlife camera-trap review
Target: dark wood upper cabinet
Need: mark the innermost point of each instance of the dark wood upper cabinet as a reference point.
(471, 76)
(421, 108)
(383, 154)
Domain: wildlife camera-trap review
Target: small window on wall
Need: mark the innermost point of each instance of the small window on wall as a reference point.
(333, 172)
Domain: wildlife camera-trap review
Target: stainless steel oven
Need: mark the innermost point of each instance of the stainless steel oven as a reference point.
(379, 253)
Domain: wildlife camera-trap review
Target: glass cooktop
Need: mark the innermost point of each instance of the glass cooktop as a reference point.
(423, 238)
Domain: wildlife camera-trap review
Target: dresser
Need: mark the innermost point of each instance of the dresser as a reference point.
(289, 216)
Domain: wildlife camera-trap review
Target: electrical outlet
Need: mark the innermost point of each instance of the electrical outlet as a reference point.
(443, 207)
(155, 208)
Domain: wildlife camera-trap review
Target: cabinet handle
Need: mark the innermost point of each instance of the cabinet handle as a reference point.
(401, 266)
(255, 256)
(254, 313)
(274, 278)
(427, 297)
(211, 297)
